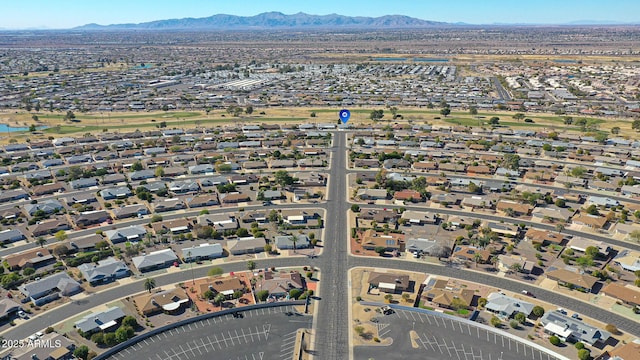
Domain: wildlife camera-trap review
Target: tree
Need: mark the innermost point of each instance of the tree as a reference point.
(41, 241)
(511, 161)
(636, 125)
(634, 235)
(388, 298)
(520, 317)
(149, 284)
(514, 324)
(60, 250)
(32, 127)
(219, 299)
(251, 265)
(124, 333)
(61, 235)
(615, 130)
(612, 329)
(376, 115)
(159, 172)
(267, 248)
(584, 354)
(355, 208)
(380, 250)
(482, 302)
(249, 110)
(215, 271)
(295, 293)
(445, 111)
(136, 166)
(560, 203)
(518, 116)
(554, 340)
(538, 311)
(406, 297)
(110, 339)
(81, 352)
(130, 321)
(592, 252)
(262, 295)
(28, 271)
(313, 114)
(592, 210)
(473, 110)
(495, 321)
(283, 178)
(98, 338)
(494, 120)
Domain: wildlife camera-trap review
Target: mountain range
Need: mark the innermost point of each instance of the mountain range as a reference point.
(272, 20)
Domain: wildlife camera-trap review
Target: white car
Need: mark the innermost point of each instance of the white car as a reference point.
(22, 314)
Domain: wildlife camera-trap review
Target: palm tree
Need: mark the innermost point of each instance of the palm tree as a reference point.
(41, 241)
(477, 257)
(494, 260)
(149, 284)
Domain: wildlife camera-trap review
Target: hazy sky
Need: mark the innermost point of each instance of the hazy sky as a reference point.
(60, 14)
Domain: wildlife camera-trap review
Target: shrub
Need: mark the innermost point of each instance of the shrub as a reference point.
(579, 345)
(262, 295)
(554, 340)
(495, 321)
(514, 324)
(584, 354)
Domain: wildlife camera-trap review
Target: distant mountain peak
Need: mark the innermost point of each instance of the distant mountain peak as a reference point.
(273, 19)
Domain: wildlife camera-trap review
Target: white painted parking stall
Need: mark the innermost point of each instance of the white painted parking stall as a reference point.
(444, 337)
(231, 336)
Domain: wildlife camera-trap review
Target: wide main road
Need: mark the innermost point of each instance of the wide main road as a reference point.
(332, 326)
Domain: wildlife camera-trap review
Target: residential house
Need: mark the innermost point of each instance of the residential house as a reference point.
(82, 198)
(504, 229)
(628, 295)
(163, 205)
(50, 288)
(508, 263)
(286, 242)
(234, 198)
(47, 206)
(88, 218)
(222, 221)
(426, 247)
(572, 279)
(184, 187)
(446, 296)
(100, 321)
(177, 226)
(408, 195)
(202, 252)
(628, 260)
(8, 308)
(468, 253)
(62, 350)
(551, 213)
(155, 260)
(249, 245)
(572, 330)
(49, 227)
(517, 208)
(543, 237)
(202, 201)
(32, 258)
(372, 194)
(388, 282)
(167, 301)
(280, 284)
(226, 286)
(121, 192)
(581, 244)
(391, 242)
(419, 217)
(506, 307)
(129, 233)
(48, 189)
(127, 211)
(11, 235)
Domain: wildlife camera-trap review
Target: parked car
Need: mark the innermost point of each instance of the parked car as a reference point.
(22, 314)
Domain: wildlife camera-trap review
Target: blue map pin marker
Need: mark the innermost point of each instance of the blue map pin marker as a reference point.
(345, 115)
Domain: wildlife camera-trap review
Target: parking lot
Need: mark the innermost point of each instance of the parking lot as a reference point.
(268, 333)
(439, 337)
